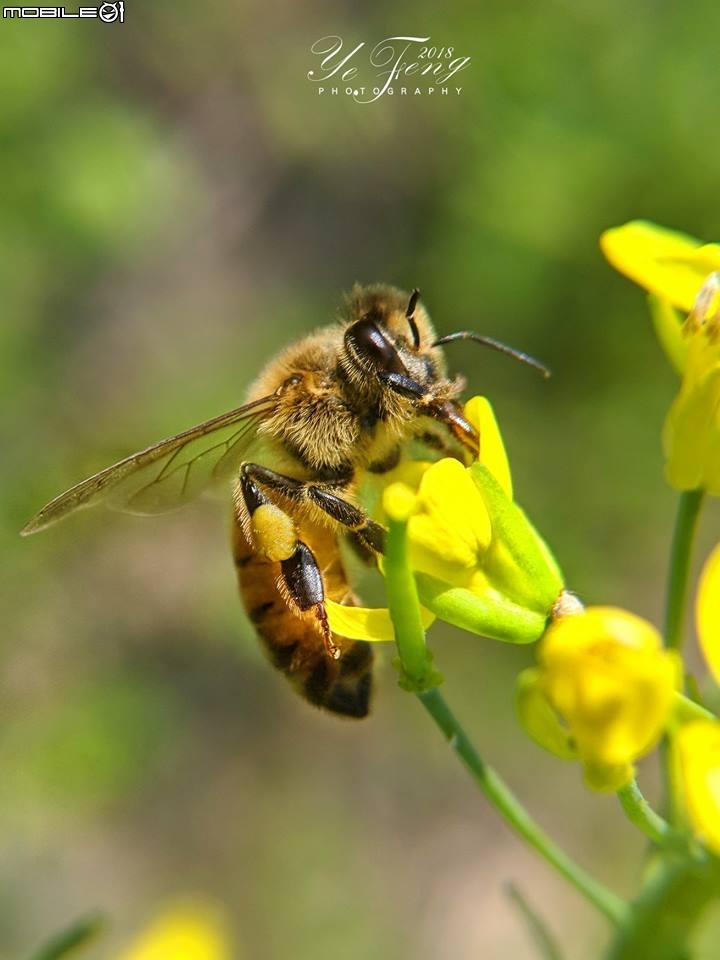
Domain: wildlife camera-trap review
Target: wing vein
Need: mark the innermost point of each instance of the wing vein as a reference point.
(142, 483)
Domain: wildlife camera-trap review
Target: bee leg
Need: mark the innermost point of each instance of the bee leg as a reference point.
(300, 571)
(361, 550)
(370, 533)
(446, 411)
(304, 582)
(451, 414)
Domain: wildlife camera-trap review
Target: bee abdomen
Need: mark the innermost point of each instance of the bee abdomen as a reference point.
(343, 686)
(295, 643)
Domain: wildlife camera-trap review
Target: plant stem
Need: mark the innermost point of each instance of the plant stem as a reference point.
(667, 910)
(509, 807)
(417, 675)
(639, 812)
(405, 607)
(688, 511)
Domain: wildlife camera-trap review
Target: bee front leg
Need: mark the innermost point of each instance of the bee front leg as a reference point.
(450, 414)
(275, 536)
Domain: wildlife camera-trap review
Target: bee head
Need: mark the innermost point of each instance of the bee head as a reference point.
(389, 337)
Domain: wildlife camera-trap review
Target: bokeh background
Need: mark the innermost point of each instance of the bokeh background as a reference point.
(176, 203)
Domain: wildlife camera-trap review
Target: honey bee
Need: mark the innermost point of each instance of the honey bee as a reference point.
(339, 404)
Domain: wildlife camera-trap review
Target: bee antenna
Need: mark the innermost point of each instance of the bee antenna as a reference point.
(410, 315)
(495, 345)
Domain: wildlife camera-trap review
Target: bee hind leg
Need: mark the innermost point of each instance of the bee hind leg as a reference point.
(275, 535)
(304, 583)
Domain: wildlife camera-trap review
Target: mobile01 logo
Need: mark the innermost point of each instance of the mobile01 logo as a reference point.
(107, 12)
(400, 66)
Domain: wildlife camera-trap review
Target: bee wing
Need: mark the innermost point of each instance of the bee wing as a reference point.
(169, 473)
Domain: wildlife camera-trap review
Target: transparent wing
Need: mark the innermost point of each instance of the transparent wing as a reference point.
(169, 473)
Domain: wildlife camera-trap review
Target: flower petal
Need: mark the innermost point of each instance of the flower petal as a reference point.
(451, 528)
(366, 623)
(698, 756)
(691, 435)
(665, 262)
(492, 449)
(708, 612)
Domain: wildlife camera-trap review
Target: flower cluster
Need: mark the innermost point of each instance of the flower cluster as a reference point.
(601, 694)
(478, 561)
(605, 690)
(681, 273)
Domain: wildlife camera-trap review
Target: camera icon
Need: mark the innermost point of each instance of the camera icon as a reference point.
(110, 12)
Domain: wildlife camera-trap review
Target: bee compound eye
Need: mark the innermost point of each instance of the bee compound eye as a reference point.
(369, 341)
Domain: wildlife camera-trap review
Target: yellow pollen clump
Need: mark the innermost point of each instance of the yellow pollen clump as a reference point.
(273, 532)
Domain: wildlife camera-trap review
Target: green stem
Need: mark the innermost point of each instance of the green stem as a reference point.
(417, 675)
(508, 806)
(688, 512)
(667, 910)
(404, 607)
(639, 812)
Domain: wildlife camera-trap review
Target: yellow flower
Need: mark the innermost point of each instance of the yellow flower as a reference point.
(602, 692)
(669, 264)
(681, 272)
(478, 562)
(697, 741)
(697, 747)
(691, 435)
(707, 612)
(191, 931)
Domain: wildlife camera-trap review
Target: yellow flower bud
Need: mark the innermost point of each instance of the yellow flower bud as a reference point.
(605, 675)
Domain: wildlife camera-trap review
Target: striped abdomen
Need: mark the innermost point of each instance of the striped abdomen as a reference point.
(294, 641)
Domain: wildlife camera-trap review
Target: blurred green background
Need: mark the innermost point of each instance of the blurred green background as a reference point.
(177, 202)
